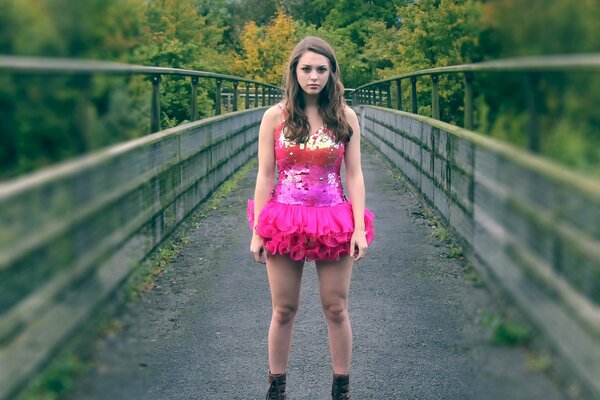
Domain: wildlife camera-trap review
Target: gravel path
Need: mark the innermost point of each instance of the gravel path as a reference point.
(201, 332)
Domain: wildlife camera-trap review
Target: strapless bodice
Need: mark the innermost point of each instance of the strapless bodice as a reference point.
(308, 173)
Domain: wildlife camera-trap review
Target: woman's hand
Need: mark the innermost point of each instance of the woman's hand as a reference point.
(358, 245)
(258, 249)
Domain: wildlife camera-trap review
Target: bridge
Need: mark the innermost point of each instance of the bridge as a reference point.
(521, 226)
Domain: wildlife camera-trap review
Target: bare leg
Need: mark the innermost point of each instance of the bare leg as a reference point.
(334, 286)
(285, 277)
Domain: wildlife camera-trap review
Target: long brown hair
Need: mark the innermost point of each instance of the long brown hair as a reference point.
(331, 99)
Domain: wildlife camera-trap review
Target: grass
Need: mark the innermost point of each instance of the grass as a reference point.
(472, 275)
(507, 332)
(539, 362)
(443, 235)
(58, 378)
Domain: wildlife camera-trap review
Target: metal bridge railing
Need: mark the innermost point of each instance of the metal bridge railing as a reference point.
(258, 91)
(374, 93)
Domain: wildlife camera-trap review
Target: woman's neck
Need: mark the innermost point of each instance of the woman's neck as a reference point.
(311, 101)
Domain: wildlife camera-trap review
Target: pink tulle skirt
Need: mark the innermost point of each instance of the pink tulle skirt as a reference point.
(308, 233)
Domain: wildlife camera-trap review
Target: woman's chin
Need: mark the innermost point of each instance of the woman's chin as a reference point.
(312, 91)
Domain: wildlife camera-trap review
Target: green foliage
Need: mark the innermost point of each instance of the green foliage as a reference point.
(27, 28)
(352, 68)
(57, 380)
(362, 33)
(346, 13)
(177, 36)
(45, 120)
(265, 50)
(505, 332)
(473, 276)
(441, 234)
(436, 34)
(569, 122)
(48, 119)
(311, 12)
(539, 362)
(521, 27)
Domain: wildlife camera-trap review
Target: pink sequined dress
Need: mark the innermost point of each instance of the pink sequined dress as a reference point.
(308, 217)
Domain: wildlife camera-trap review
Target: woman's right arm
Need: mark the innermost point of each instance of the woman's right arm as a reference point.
(266, 173)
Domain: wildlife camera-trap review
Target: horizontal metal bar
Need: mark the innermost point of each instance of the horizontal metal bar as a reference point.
(566, 62)
(21, 64)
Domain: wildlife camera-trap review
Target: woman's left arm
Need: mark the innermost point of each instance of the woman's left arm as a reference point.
(356, 187)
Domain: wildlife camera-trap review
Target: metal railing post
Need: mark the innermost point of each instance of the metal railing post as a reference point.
(235, 95)
(155, 107)
(468, 100)
(247, 96)
(435, 96)
(413, 95)
(194, 102)
(255, 97)
(389, 95)
(531, 85)
(218, 97)
(82, 115)
(399, 91)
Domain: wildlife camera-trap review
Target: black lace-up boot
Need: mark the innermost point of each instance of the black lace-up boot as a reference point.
(340, 389)
(276, 387)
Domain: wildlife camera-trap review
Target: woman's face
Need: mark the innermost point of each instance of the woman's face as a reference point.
(313, 72)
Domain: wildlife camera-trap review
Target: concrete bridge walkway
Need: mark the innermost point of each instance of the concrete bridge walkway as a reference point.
(201, 332)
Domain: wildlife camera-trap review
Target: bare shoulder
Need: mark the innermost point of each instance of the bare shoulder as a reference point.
(273, 115)
(351, 118)
(350, 114)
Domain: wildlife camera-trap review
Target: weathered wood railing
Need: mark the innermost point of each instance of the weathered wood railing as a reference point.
(70, 234)
(533, 226)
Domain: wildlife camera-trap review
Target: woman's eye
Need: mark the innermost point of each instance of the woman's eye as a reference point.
(305, 69)
(322, 69)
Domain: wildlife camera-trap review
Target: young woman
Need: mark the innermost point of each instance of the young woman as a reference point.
(307, 217)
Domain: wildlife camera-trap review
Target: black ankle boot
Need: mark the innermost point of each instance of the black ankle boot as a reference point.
(276, 387)
(340, 389)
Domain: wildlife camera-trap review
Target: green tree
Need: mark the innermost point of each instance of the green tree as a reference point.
(177, 36)
(437, 33)
(26, 28)
(42, 121)
(362, 33)
(569, 121)
(352, 67)
(310, 12)
(265, 50)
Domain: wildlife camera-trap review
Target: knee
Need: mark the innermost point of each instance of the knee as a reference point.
(284, 314)
(336, 312)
